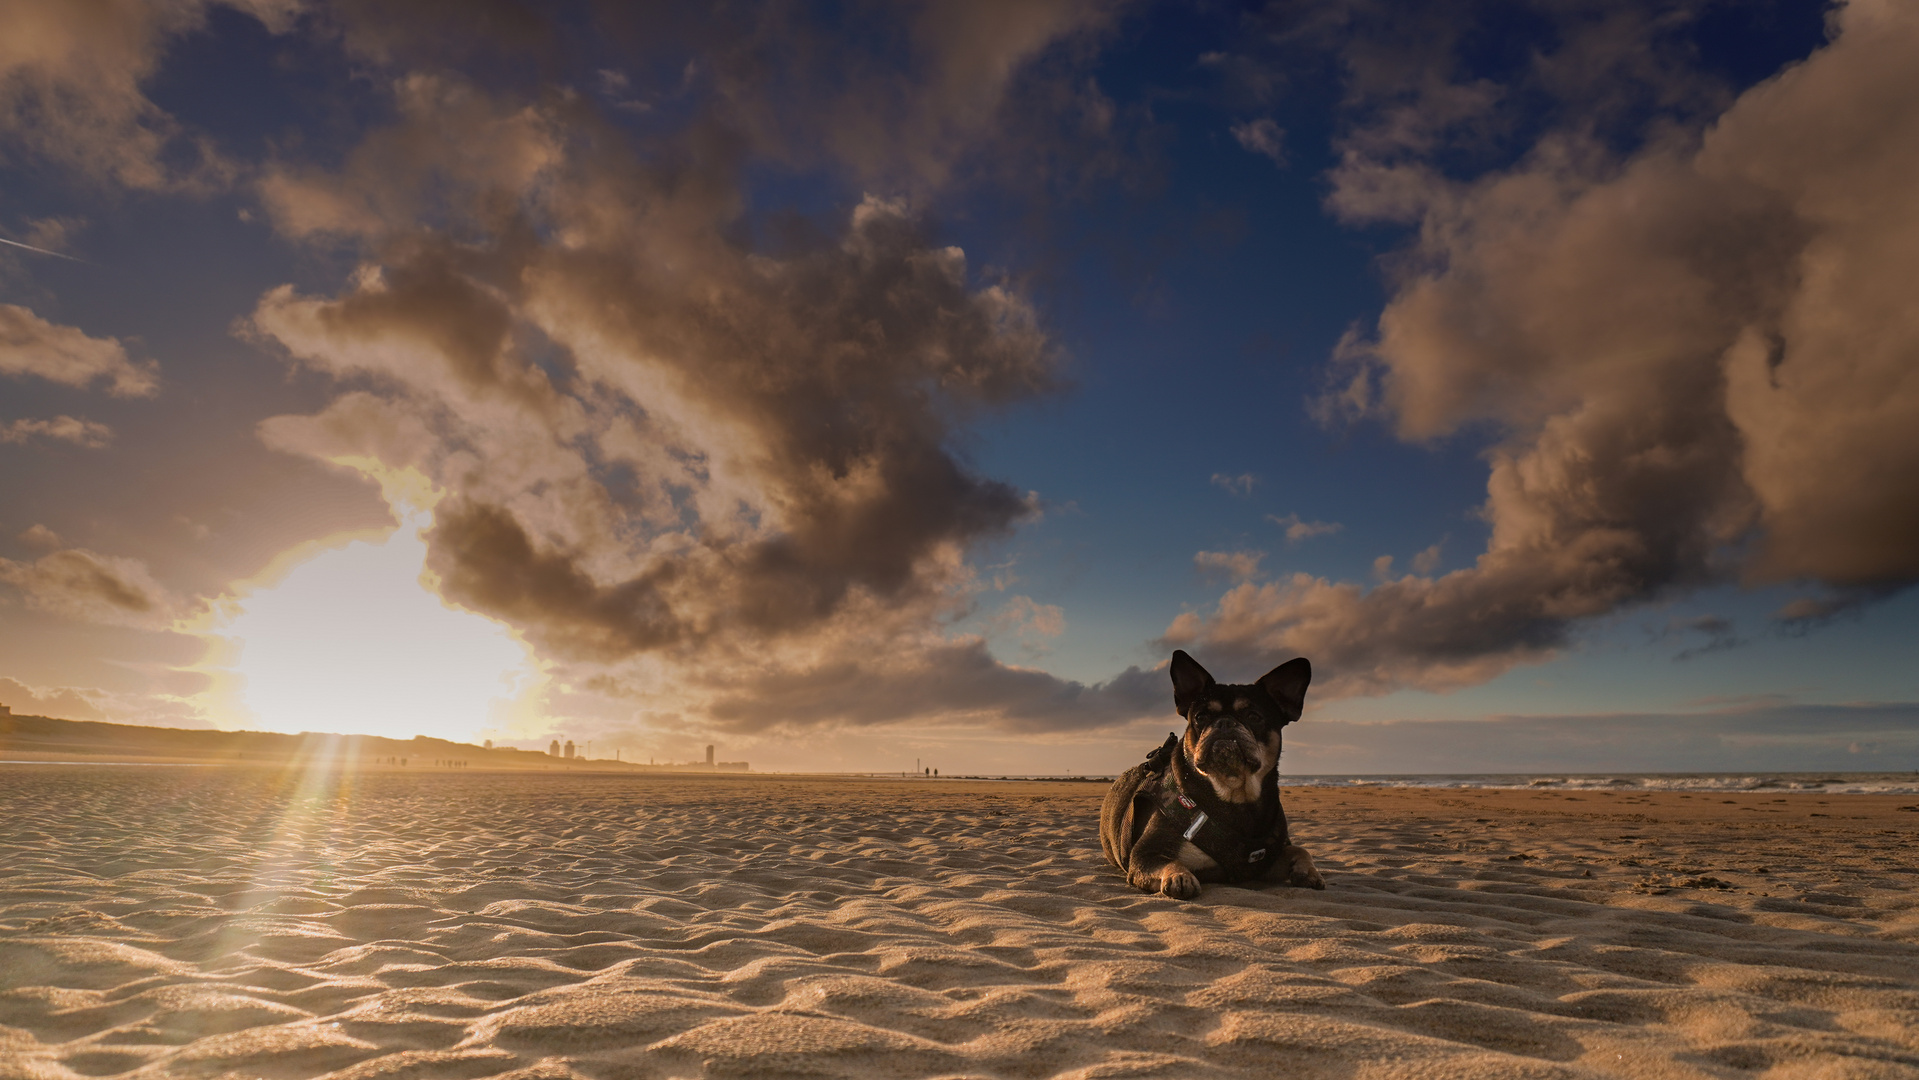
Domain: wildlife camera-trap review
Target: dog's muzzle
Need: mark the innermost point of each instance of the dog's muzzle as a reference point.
(1227, 748)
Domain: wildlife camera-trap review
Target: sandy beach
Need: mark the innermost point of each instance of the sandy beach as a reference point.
(252, 922)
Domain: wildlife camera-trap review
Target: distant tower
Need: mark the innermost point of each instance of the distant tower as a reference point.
(709, 755)
(569, 749)
(553, 748)
(489, 744)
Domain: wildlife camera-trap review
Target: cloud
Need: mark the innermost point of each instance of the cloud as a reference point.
(70, 90)
(1696, 356)
(1804, 614)
(65, 703)
(1027, 617)
(797, 428)
(1238, 565)
(1297, 530)
(1241, 485)
(1753, 739)
(448, 131)
(1434, 634)
(85, 586)
(954, 685)
(1720, 635)
(1427, 560)
(32, 346)
(85, 433)
(906, 119)
(703, 477)
(1263, 137)
(88, 703)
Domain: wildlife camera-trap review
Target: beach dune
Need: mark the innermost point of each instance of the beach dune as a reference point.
(291, 923)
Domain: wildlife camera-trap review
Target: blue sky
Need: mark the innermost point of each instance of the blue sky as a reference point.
(862, 383)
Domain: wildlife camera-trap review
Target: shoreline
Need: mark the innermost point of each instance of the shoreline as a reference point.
(1731, 782)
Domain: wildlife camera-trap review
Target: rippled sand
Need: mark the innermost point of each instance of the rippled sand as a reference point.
(253, 923)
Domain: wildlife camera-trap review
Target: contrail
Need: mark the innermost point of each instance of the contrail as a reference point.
(43, 251)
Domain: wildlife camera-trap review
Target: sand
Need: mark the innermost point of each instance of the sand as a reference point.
(236, 922)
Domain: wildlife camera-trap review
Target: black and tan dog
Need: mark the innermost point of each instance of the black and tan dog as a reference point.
(1205, 806)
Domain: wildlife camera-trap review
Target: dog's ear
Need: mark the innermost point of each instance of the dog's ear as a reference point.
(1189, 680)
(1287, 684)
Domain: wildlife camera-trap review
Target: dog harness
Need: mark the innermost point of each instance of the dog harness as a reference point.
(1241, 855)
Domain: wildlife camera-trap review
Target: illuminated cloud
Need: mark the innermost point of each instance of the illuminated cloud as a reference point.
(32, 346)
(85, 433)
(62, 702)
(70, 89)
(87, 703)
(41, 538)
(1237, 565)
(1028, 617)
(1701, 358)
(1297, 529)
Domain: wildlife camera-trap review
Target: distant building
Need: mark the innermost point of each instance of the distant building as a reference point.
(553, 748)
(489, 744)
(569, 749)
(709, 755)
(6, 710)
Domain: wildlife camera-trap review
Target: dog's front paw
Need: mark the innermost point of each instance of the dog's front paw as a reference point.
(1172, 880)
(1178, 882)
(1299, 871)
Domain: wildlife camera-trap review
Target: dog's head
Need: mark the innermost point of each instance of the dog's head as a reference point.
(1232, 731)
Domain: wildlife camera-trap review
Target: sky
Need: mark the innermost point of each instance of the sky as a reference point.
(876, 386)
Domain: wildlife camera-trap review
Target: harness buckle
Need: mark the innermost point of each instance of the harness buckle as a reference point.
(1186, 802)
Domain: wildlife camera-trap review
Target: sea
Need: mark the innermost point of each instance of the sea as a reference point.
(1821, 783)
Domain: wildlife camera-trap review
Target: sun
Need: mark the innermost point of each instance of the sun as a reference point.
(353, 640)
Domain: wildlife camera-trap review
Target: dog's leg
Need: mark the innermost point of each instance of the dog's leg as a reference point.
(1295, 867)
(1154, 865)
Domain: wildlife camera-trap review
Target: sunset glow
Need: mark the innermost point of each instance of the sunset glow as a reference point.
(851, 385)
(351, 640)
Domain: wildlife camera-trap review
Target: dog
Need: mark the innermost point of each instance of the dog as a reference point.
(1205, 806)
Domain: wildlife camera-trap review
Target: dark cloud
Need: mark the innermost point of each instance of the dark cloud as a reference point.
(1719, 633)
(1804, 614)
(1693, 354)
(958, 683)
(675, 460)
